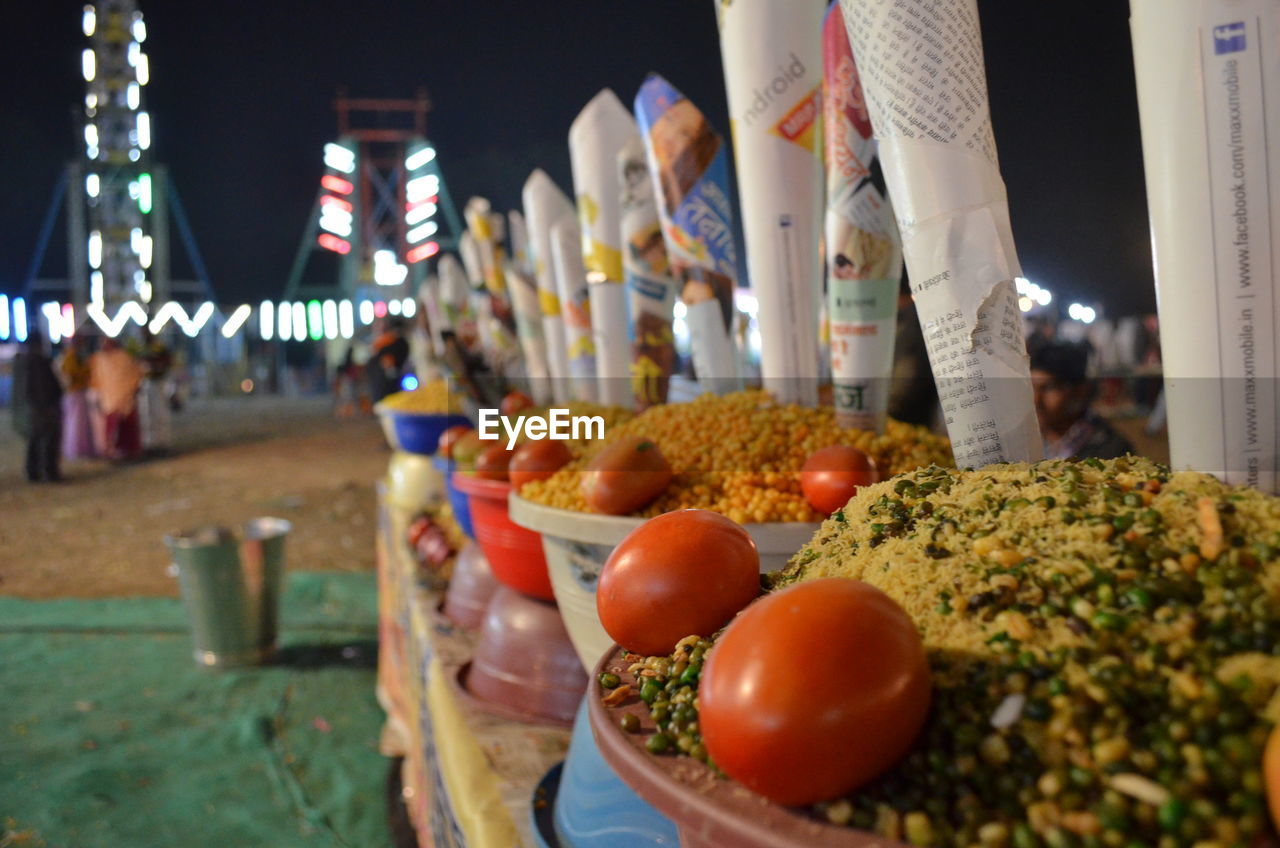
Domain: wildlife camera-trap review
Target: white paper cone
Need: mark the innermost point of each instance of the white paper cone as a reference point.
(773, 75)
(544, 206)
(603, 128)
(429, 297)
(940, 165)
(518, 234)
(575, 304)
(1208, 74)
(864, 253)
(528, 315)
(651, 290)
(455, 300)
(690, 174)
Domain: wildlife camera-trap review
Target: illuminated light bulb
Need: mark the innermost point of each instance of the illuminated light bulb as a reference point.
(337, 225)
(139, 29)
(88, 64)
(419, 213)
(339, 158)
(19, 320)
(134, 155)
(1024, 303)
(380, 309)
(144, 193)
(143, 69)
(95, 249)
(332, 242)
(1043, 297)
(336, 183)
(133, 95)
(4, 318)
(346, 319)
(299, 320)
(237, 319)
(366, 312)
(68, 321)
(145, 251)
(144, 130)
(91, 102)
(393, 306)
(329, 319)
(328, 200)
(53, 321)
(409, 307)
(315, 320)
(91, 135)
(418, 159)
(92, 185)
(89, 21)
(95, 287)
(144, 291)
(266, 320)
(420, 188)
(135, 239)
(285, 315)
(421, 232)
(132, 52)
(422, 251)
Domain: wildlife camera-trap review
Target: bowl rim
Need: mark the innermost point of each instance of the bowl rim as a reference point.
(774, 537)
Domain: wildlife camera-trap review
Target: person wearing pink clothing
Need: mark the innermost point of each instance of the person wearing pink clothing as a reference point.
(115, 376)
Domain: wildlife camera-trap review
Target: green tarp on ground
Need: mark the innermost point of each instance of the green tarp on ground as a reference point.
(111, 736)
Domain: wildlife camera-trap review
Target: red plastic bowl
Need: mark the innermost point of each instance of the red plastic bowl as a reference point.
(514, 553)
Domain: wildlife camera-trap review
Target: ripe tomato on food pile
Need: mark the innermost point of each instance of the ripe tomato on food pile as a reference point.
(807, 694)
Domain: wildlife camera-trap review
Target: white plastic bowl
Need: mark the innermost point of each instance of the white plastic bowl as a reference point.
(577, 544)
(413, 482)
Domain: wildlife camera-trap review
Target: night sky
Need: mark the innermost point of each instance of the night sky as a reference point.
(241, 99)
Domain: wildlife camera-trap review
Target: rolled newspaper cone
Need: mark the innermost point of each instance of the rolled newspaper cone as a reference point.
(455, 301)
(544, 206)
(429, 297)
(690, 174)
(926, 91)
(651, 290)
(575, 304)
(773, 75)
(528, 318)
(518, 235)
(1210, 114)
(602, 128)
(864, 253)
(488, 250)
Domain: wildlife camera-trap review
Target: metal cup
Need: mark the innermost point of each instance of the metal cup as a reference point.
(231, 588)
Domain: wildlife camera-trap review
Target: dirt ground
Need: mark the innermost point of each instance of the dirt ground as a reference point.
(101, 533)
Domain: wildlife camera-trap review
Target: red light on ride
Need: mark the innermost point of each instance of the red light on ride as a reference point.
(331, 242)
(336, 202)
(421, 252)
(380, 309)
(337, 184)
(409, 207)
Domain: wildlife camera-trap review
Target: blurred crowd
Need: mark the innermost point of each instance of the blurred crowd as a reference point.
(112, 403)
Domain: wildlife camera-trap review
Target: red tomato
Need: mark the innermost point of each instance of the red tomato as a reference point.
(625, 476)
(830, 476)
(813, 691)
(449, 438)
(467, 448)
(682, 573)
(513, 403)
(537, 460)
(493, 462)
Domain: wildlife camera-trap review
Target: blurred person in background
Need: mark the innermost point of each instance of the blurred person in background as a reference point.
(153, 404)
(115, 377)
(37, 409)
(387, 356)
(77, 426)
(1064, 395)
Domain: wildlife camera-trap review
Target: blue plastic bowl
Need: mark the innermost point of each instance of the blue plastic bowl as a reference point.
(420, 433)
(458, 500)
(595, 809)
